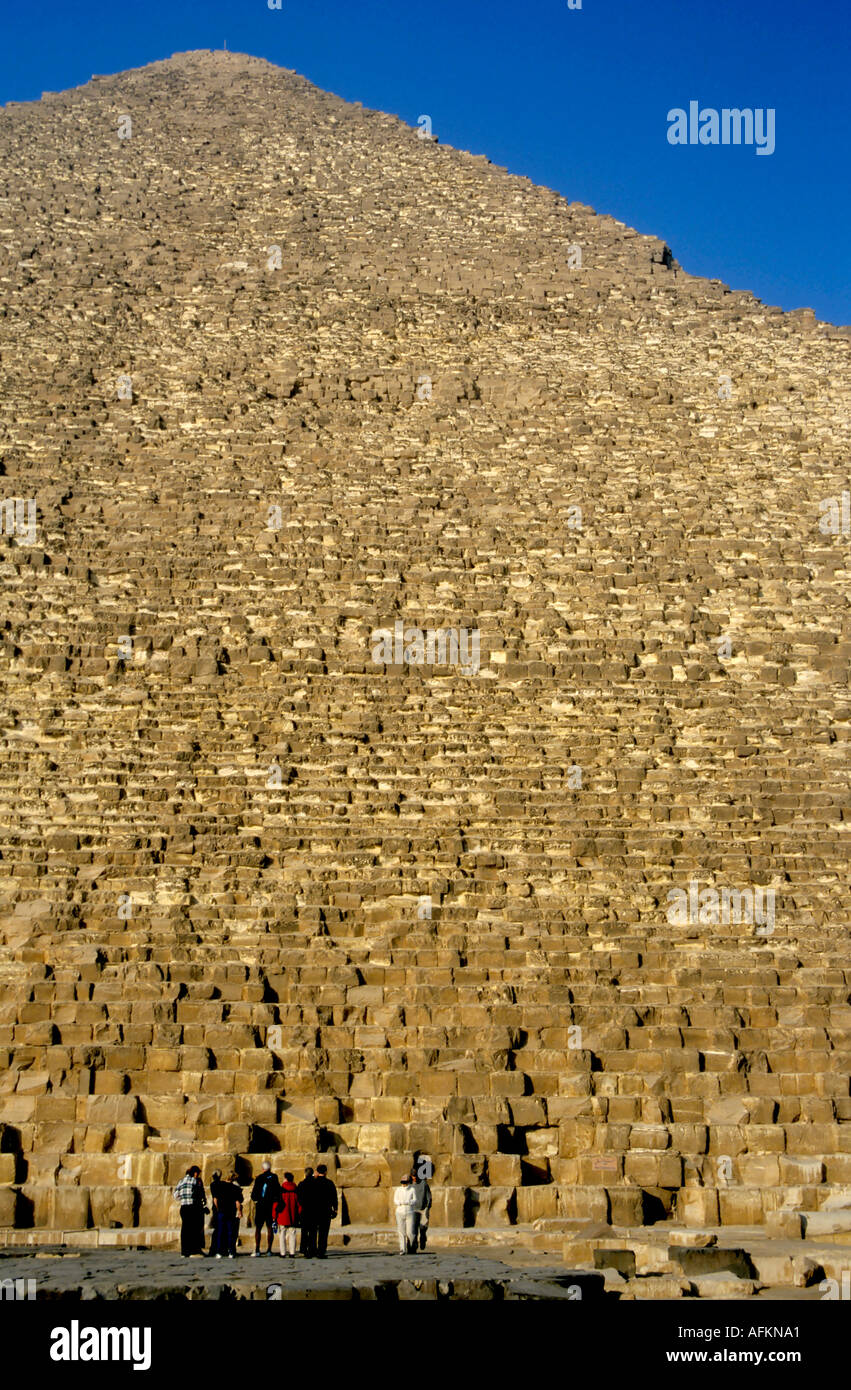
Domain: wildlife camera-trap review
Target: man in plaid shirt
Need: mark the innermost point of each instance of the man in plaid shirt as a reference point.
(192, 1199)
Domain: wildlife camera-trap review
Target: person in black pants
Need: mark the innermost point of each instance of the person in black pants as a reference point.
(325, 1199)
(264, 1194)
(305, 1190)
(192, 1199)
(228, 1212)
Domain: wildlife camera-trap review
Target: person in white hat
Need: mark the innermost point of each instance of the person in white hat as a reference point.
(404, 1201)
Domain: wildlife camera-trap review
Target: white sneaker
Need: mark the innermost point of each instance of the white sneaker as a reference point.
(218, 1257)
(254, 1254)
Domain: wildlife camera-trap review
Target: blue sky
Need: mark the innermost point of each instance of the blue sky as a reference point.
(575, 99)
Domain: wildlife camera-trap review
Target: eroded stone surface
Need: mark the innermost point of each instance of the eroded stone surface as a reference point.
(261, 894)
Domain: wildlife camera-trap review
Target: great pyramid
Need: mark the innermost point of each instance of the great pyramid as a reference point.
(279, 373)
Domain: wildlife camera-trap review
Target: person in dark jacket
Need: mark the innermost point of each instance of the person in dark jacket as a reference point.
(325, 1199)
(307, 1245)
(228, 1203)
(192, 1199)
(422, 1201)
(265, 1194)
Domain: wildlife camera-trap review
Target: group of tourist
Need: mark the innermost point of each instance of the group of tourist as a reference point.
(286, 1208)
(279, 1206)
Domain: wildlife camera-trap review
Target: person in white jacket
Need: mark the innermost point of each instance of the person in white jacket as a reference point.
(404, 1201)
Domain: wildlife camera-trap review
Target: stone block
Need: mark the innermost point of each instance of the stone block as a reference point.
(448, 1204)
(70, 1209)
(536, 1203)
(367, 1206)
(491, 1206)
(698, 1206)
(381, 1138)
(112, 1206)
(10, 1204)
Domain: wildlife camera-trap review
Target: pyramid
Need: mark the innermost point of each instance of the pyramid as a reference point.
(424, 682)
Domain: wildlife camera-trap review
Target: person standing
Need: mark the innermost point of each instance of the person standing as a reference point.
(264, 1194)
(308, 1214)
(228, 1213)
(287, 1214)
(192, 1199)
(403, 1202)
(422, 1203)
(325, 1197)
(215, 1184)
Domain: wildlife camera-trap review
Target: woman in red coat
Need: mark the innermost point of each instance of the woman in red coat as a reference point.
(287, 1215)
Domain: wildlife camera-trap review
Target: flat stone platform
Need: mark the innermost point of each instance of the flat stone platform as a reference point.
(365, 1274)
(360, 1270)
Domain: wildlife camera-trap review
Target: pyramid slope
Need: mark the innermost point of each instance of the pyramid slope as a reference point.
(220, 843)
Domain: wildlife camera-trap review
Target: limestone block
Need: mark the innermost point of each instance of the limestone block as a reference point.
(583, 1203)
(504, 1170)
(698, 1206)
(828, 1225)
(543, 1143)
(99, 1168)
(111, 1206)
(108, 1110)
(129, 1138)
(357, 1170)
(447, 1206)
(70, 1209)
(689, 1139)
(468, 1170)
(327, 1110)
(653, 1169)
(48, 1109)
(655, 1286)
(294, 1137)
(530, 1111)
(601, 1170)
(381, 1138)
(157, 1208)
(626, 1206)
(9, 1205)
(142, 1169)
(740, 1206)
(722, 1285)
(491, 1206)
(54, 1138)
(237, 1138)
(536, 1203)
(788, 1225)
(564, 1171)
(367, 1206)
(759, 1170)
(485, 1138)
(654, 1257)
(390, 1109)
(788, 1271)
(800, 1172)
